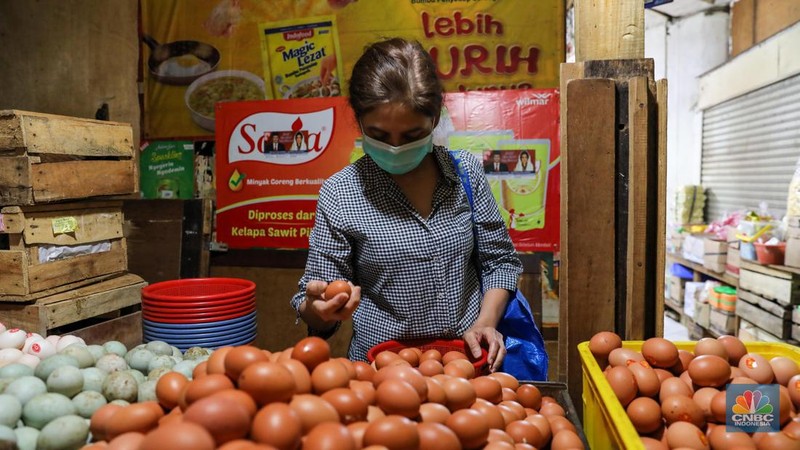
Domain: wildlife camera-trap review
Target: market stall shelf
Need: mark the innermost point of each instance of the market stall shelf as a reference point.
(53, 248)
(79, 309)
(47, 158)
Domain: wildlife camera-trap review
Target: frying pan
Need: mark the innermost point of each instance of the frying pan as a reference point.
(162, 52)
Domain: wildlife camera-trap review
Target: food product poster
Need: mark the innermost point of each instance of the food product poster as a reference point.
(198, 52)
(167, 169)
(516, 135)
(272, 157)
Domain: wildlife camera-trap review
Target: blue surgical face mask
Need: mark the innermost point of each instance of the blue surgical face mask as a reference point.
(398, 160)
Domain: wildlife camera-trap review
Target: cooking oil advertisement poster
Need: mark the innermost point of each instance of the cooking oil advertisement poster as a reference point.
(273, 156)
(166, 169)
(196, 53)
(516, 135)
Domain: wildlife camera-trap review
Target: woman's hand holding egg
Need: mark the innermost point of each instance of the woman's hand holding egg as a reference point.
(331, 302)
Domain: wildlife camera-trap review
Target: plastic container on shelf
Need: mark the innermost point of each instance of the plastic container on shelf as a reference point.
(726, 298)
(443, 346)
(770, 254)
(605, 422)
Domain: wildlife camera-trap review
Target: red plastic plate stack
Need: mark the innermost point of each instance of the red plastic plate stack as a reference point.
(200, 312)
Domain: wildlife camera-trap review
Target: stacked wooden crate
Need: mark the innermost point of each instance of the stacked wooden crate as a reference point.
(63, 256)
(766, 298)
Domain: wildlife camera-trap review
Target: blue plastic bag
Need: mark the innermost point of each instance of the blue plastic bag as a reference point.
(526, 357)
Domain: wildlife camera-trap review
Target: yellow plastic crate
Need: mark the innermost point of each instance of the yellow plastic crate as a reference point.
(605, 422)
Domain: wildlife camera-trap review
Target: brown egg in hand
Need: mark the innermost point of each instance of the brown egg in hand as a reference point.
(337, 287)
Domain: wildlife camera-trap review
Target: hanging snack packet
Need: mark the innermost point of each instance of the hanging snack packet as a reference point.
(300, 57)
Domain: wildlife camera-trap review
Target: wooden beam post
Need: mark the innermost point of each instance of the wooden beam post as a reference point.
(587, 221)
(609, 29)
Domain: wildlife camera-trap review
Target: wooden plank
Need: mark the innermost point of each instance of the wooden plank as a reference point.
(784, 291)
(52, 134)
(699, 269)
(766, 270)
(15, 180)
(32, 297)
(14, 276)
(80, 179)
(101, 298)
(772, 16)
(636, 293)
(588, 276)
(126, 329)
(92, 223)
(568, 72)
(763, 319)
(661, 226)
(45, 276)
(609, 29)
(742, 26)
(69, 307)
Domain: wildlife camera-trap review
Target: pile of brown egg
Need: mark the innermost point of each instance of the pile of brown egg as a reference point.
(248, 398)
(676, 398)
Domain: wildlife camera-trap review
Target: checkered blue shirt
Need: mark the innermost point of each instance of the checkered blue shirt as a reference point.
(417, 276)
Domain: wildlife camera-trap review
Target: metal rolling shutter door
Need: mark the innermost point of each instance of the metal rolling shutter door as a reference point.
(750, 147)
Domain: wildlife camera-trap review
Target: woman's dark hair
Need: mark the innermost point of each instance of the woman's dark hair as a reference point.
(524, 152)
(396, 70)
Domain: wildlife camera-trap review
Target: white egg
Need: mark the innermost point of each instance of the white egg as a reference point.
(29, 341)
(12, 338)
(65, 341)
(29, 360)
(32, 334)
(42, 349)
(2, 327)
(53, 339)
(9, 356)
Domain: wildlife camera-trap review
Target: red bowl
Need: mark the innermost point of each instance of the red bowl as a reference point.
(182, 312)
(196, 318)
(443, 346)
(199, 289)
(184, 306)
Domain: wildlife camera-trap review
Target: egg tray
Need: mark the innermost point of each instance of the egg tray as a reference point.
(606, 423)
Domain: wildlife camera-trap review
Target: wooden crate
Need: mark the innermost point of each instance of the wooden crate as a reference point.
(46, 158)
(783, 286)
(70, 310)
(764, 313)
(29, 228)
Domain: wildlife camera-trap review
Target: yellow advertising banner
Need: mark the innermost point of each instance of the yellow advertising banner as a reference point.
(200, 52)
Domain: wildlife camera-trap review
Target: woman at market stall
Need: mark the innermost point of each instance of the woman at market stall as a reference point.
(397, 224)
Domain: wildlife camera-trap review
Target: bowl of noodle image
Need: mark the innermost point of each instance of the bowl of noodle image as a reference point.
(222, 86)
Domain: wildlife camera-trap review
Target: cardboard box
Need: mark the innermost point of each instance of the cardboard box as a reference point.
(694, 247)
(733, 241)
(691, 295)
(676, 285)
(722, 322)
(792, 257)
(733, 262)
(715, 254)
(702, 314)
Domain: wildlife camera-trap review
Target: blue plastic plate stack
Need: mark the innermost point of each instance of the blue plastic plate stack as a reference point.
(200, 312)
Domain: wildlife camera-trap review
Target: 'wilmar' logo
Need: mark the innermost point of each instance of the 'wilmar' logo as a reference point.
(250, 138)
(538, 99)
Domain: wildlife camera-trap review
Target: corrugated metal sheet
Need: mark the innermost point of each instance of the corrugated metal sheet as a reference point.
(751, 145)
